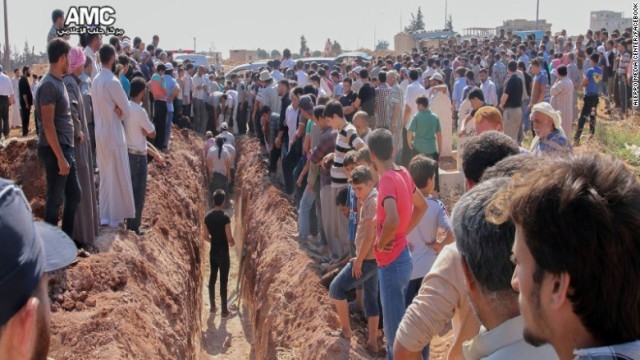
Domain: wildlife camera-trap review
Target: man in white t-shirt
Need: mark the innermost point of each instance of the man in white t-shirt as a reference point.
(136, 129)
(301, 74)
(414, 90)
(229, 138)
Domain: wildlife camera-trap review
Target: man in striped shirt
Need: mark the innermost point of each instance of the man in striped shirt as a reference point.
(347, 140)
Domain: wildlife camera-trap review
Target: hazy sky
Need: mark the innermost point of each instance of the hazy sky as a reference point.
(241, 24)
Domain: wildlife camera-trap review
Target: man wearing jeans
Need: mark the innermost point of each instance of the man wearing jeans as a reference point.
(400, 208)
(511, 102)
(56, 139)
(136, 129)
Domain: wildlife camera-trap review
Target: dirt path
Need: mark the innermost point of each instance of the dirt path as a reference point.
(225, 338)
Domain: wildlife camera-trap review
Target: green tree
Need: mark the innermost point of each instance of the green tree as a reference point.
(382, 45)
(417, 22)
(262, 54)
(316, 53)
(275, 54)
(303, 45)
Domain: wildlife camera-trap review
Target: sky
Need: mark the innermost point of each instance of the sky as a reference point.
(240, 24)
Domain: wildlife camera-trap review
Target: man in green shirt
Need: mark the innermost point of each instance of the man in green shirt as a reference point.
(425, 133)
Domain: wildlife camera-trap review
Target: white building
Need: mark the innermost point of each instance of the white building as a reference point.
(609, 20)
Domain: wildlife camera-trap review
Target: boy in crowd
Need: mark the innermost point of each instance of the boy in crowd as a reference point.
(136, 129)
(422, 241)
(400, 207)
(362, 269)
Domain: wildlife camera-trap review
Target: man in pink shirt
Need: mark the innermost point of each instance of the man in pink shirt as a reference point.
(400, 208)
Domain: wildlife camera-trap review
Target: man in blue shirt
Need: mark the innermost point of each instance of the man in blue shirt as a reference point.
(522, 52)
(173, 90)
(592, 82)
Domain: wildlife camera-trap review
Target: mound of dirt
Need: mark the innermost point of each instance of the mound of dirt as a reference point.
(140, 296)
(292, 315)
(19, 162)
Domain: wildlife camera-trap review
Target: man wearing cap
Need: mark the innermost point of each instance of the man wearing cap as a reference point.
(229, 138)
(270, 96)
(111, 107)
(29, 251)
(550, 138)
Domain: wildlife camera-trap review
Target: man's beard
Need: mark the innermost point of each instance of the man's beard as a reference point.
(43, 337)
(538, 317)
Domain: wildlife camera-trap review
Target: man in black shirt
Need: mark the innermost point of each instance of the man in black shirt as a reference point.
(348, 98)
(219, 226)
(511, 102)
(26, 100)
(366, 100)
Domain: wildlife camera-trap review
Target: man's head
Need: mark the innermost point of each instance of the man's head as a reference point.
(423, 171)
(219, 197)
(577, 250)
(485, 249)
(484, 151)
(562, 71)
(319, 118)
(334, 113)
(488, 118)
(57, 18)
(107, 55)
(138, 86)
(545, 119)
(422, 103)
(512, 66)
(283, 87)
(29, 251)
(346, 85)
(155, 41)
(362, 182)
(58, 54)
(392, 77)
(342, 202)
(484, 75)
(26, 71)
(306, 106)
(381, 146)
(361, 122)
(476, 98)
(594, 58)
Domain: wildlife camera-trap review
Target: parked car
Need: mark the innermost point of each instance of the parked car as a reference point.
(243, 69)
(352, 55)
(196, 59)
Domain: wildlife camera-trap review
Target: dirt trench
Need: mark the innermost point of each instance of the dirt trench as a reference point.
(291, 314)
(139, 297)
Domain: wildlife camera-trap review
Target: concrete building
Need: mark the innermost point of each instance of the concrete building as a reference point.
(523, 25)
(403, 42)
(609, 20)
(243, 56)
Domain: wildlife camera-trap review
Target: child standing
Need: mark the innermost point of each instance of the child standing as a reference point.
(422, 241)
(362, 269)
(219, 227)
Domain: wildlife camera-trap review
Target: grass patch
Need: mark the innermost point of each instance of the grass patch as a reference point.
(614, 139)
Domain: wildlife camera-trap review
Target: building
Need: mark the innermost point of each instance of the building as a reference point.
(479, 32)
(523, 25)
(609, 20)
(243, 56)
(404, 42)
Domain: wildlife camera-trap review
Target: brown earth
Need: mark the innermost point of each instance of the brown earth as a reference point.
(140, 296)
(292, 315)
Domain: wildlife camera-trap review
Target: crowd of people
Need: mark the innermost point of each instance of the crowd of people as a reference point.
(356, 148)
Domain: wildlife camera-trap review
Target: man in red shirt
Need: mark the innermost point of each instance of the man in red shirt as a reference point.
(400, 208)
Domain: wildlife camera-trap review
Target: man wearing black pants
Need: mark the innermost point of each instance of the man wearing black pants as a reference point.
(219, 227)
(26, 100)
(56, 140)
(6, 99)
(592, 82)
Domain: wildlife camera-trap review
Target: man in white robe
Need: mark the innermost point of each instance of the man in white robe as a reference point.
(562, 94)
(110, 108)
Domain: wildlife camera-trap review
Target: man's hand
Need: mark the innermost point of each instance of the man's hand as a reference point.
(436, 246)
(118, 112)
(356, 271)
(278, 143)
(387, 249)
(232, 243)
(80, 137)
(63, 166)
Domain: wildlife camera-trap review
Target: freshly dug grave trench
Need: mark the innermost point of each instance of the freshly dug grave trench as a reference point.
(290, 310)
(140, 297)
